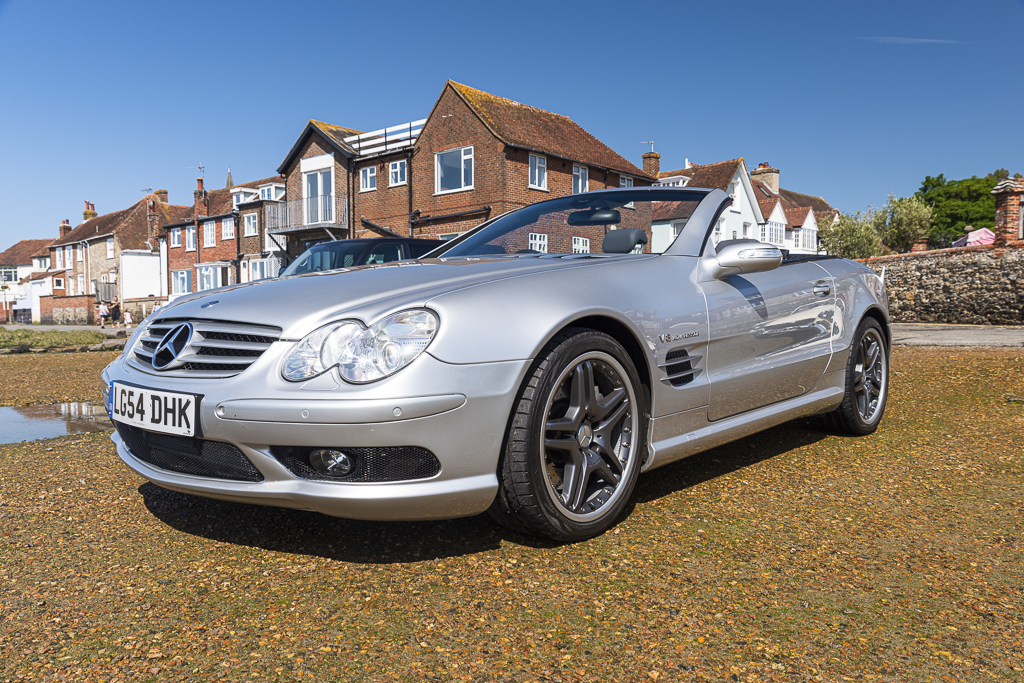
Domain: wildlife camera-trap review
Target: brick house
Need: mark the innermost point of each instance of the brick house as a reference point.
(221, 240)
(113, 255)
(476, 155)
(17, 263)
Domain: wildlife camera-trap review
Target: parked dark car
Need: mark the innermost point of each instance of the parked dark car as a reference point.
(348, 253)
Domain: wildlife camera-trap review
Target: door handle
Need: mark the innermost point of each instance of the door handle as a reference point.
(822, 288)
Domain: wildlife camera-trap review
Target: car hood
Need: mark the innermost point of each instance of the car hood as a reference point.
(301, 303)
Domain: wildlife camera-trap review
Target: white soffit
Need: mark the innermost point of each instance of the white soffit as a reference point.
(317, 163)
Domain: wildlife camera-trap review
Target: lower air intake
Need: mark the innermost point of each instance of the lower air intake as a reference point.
(401, 463)
(187, 455)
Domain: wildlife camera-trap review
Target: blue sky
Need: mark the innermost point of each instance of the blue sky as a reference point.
(852, 101)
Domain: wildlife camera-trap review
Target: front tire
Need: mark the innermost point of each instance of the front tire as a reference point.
(575, 441)
(867, 382)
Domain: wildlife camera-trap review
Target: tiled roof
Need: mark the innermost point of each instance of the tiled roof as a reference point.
(21, 253)
(797, 216)
(671, 211)
(337, 133)
(219, 201)
(520, 125)
(37, 275)
(713, 176)
(797, 199)
(767, 206)
(131, 224)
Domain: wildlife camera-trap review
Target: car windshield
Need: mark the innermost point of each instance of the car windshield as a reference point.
(585, 224)
(326, 256)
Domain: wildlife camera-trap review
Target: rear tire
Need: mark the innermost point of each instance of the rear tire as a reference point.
(867, 383)
(575, 442)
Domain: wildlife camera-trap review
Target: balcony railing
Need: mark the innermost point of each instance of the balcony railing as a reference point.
(387, 139)
(311, 211)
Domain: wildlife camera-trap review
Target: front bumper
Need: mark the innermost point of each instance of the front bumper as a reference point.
(457, 412)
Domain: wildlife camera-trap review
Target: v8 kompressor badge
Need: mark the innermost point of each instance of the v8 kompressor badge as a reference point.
(666, 338)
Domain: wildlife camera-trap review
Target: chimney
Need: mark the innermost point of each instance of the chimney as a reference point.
(1009, 211)
(161, 195)
(652, 163)
(65, 227)
(90, 211)
(199, 181)
(767, 175)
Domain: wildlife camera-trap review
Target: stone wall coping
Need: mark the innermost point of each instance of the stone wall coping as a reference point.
(952, 251)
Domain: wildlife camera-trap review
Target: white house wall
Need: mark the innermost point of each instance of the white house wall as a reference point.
(139, 274)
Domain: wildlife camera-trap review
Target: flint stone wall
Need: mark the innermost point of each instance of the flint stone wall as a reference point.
(981, 285)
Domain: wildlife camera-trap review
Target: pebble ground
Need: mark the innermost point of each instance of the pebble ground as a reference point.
(793, 555)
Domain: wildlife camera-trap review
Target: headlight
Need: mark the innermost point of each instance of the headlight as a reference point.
(362, 354)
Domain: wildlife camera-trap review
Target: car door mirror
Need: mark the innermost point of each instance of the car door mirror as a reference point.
(743, 257)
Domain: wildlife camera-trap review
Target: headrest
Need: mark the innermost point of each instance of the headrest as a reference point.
(623, 241)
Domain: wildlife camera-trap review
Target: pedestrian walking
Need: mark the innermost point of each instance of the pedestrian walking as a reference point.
(127, 319)
(115, 313)
(104, 314)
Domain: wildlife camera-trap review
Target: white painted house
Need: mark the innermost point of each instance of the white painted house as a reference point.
(741, 220)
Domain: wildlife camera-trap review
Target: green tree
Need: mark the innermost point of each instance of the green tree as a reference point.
(959, 203)
(903, 221)
(852, 235)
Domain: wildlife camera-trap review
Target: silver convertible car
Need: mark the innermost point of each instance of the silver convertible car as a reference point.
(534, 367)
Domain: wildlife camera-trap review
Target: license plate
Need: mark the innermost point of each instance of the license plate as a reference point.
(156, 411)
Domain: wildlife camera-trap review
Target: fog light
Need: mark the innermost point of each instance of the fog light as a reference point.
(330, 462)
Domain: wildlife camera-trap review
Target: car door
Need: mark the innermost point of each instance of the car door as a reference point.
(769, 335)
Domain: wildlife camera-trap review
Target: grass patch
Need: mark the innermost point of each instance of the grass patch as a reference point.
(12, 338)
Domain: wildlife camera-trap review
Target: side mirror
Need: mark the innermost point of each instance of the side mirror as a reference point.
(742, 258)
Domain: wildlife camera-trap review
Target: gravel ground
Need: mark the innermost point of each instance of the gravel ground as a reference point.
(789, 556)
(37, 378)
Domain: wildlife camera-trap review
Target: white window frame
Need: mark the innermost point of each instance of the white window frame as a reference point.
(580, 245)
(190, 238)
(747, 230)
(58, 283)
(466, 155)
(398, 167)
(175, 237)
(79, 253)
(59, 259)
(539, 242)
(719, 229)
(112, 275)
(253, 267)
(538, 172)
(368, 178)
(580, 179)
(110, 247)
(209, 234)
(227, 229)
(181, 282)
(68, 262)
(252, 225)
(80, 284)
(210, 272)
(625, 181)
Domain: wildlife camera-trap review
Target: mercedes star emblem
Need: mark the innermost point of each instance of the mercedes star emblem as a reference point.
(171, 346)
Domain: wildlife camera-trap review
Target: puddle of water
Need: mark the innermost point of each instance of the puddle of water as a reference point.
(31, 423)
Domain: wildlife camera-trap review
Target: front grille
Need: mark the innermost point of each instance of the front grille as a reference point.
(401, 463)
(187, 455)
(217, 348)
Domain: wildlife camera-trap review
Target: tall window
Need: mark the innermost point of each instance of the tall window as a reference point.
(67, 258)
(110, 247)
(580, 179)
(211, 277)
(81, 284)
(580, 245)
(209, 234)
(181, 282)
(227, 229)
(746, 231)
(397, 173)
(79, 252)
(539, 242)
(453, 170)
(719, 228)
(318, 187)
(175, 234)
(59, 258)
(190, 238)
(538, 172)
(250, 225)
(367, 178)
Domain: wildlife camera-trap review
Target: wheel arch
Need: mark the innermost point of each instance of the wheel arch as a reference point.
(883, 320)
(621, 333)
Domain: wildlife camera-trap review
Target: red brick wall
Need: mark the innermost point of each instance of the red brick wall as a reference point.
(1009, 195)
(67, 310)
(387, 206)
(315, 146)
(179, 258)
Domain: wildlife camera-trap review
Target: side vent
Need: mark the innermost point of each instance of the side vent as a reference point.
(679, 367)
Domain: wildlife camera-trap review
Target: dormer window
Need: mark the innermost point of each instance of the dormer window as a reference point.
(242, 195)
(272, 192)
